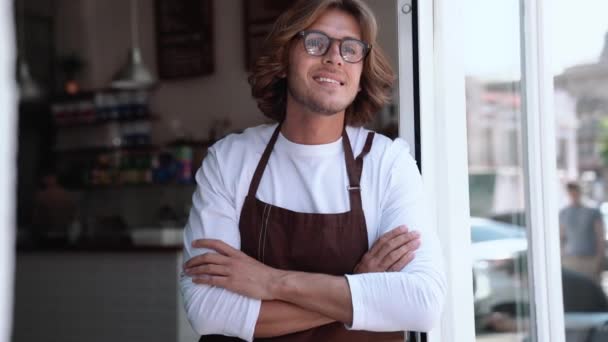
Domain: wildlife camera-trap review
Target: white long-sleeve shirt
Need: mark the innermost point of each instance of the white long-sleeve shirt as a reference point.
(313, 179)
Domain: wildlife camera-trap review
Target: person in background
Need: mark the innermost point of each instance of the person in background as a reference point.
(306, 229)
(582, 236)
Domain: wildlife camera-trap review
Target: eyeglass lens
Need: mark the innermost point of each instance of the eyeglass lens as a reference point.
(317, 44)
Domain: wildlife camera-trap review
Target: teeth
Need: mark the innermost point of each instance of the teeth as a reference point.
(328, 80)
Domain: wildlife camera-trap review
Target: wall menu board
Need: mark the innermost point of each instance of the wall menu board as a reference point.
(259, 16)
(184, 38)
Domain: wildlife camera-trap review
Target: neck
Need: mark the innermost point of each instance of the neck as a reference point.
(312, 128)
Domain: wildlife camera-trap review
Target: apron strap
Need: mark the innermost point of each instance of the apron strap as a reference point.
(351, 164)
(354, 168)
(259, 171)
(367, 147)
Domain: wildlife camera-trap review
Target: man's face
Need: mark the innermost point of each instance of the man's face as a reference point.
(325, 84)
(575, 195)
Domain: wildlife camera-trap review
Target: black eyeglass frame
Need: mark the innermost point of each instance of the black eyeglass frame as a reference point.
(366, 47)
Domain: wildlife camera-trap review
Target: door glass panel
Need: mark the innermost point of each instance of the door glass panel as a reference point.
(495, 112)
(580, 69)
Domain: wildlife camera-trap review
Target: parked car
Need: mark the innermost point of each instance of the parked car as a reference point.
(495, 245)
(496, 288)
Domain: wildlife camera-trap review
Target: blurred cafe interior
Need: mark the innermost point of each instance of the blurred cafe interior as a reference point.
(119, 100)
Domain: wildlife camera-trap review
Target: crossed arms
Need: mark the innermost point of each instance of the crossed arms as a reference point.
(295, 301)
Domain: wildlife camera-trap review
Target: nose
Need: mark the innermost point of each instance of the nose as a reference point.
(332, 56)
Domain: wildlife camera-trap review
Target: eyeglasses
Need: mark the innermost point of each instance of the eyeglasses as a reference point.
(317, 43)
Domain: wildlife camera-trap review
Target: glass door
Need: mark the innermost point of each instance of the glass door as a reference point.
(580, 75)
(497, 189)
(488, 167)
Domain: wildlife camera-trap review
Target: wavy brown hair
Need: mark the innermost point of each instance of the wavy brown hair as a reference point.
(268, 81)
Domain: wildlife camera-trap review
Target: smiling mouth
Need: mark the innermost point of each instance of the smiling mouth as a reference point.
(322, 79)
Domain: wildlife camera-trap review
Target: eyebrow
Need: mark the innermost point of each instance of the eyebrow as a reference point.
(325, 33)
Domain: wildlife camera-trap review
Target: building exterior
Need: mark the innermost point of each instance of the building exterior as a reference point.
(493, 129)
(588, 85)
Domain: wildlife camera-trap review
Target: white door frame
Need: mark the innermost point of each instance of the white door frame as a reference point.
(541, 172)
(443, 133)
(445, 167)
(8, 148)
(405, 53)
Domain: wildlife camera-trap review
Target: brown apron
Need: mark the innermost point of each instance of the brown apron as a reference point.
(320, 243)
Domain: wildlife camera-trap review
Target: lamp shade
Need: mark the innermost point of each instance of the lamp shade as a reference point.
(134, 74)
(29, 90)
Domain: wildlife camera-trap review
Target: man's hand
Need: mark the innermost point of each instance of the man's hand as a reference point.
(391, 253)
(232, 270)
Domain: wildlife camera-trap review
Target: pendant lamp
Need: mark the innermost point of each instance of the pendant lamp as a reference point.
(29, 89)
(134, 74)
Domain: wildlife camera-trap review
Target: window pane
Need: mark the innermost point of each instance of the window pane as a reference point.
(581, 108)
(496, 172)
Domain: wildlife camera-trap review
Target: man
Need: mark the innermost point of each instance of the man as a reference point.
(278, 239)
(582, 235)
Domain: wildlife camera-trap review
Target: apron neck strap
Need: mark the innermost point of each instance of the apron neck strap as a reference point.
(351, 164)
(259, 171)
(354, 167)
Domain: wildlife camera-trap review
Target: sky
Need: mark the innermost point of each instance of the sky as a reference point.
(492, 41)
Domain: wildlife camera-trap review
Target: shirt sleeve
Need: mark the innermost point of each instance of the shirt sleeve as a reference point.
(412, 299)
(213, 310)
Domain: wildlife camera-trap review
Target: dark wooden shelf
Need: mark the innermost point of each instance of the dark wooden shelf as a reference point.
(107, 149)
(149, 117)
(131, 186)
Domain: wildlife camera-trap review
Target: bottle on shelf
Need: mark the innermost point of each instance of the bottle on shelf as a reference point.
(183, 157)
(140, 103)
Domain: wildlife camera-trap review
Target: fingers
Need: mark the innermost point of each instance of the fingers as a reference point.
(216, 245)
(387, 237)
(207, 270)
(211, 280)
(396, 243)
(207, 258)
(398, 253)
(402, 262)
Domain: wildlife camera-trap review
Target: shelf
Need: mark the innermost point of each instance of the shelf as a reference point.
(131, 186)
(107, 121)
(107, 149)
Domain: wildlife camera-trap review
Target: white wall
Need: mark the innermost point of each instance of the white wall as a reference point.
(100, 31)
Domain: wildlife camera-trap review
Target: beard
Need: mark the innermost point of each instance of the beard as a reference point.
(316, 103)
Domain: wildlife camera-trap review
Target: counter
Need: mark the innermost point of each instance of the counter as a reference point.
(99, 293)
